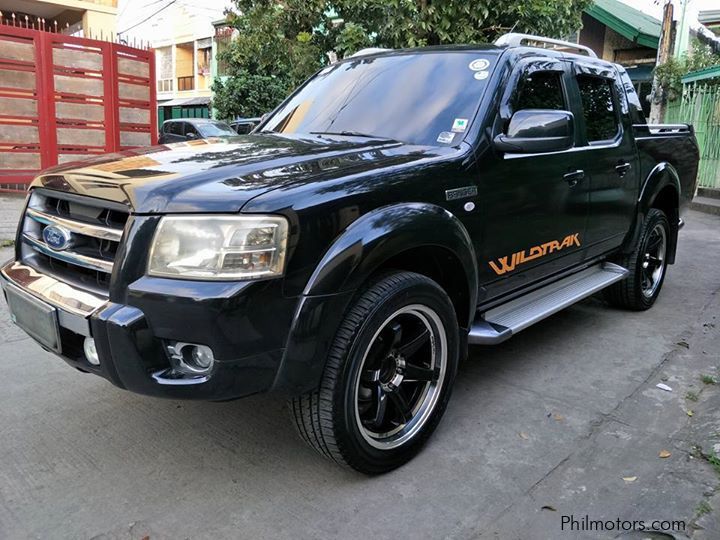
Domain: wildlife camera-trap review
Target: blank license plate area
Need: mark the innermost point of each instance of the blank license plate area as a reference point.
(37, 318)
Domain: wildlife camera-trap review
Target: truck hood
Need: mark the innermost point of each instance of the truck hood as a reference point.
(223, 174)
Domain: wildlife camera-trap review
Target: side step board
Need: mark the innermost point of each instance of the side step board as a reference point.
(502, 322)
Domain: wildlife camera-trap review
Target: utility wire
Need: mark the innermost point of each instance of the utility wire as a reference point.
(148, 17)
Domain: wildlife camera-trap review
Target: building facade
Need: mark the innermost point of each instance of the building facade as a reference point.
(622, 34)
(183, 36)
(711, 20)
(81, 18)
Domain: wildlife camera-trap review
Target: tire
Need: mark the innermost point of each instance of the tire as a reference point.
(388, 376)
(647, 265)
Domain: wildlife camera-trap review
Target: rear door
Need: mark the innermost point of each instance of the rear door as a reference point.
(535, 205)
(609, 156)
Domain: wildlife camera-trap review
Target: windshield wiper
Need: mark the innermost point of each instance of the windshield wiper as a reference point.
(353, 134)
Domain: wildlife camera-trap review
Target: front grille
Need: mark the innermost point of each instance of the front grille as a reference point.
(93, 228)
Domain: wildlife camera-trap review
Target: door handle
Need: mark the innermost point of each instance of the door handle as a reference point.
(572, 178)
(622, 169)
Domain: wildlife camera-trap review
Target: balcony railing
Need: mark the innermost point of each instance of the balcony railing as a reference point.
(186, 83)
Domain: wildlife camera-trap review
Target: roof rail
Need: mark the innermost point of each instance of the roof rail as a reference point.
(369, 50)
(517, 40)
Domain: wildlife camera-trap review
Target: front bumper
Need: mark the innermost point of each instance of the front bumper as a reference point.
(131, 337)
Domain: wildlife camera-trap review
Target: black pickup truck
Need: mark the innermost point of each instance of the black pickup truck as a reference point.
(397, 208)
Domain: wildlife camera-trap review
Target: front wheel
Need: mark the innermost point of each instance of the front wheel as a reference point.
(388, 376)
(647, 265)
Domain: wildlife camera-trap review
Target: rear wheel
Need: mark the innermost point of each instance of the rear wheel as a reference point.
(388, 376)
(647, 265)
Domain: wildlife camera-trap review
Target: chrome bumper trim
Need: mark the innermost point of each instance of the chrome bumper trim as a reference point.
(71, 300)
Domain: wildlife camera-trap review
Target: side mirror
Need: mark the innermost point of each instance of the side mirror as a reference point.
(536, 131)
(191, 136)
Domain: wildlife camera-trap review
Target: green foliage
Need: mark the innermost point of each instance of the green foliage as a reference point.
(670, 74)
(415, 23)
(714, 460)
(247, 95)
(352, 38)
(280, 44)
(277, 48)
(703, 508)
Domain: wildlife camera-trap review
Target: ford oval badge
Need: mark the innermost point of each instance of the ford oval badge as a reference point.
(56, 237)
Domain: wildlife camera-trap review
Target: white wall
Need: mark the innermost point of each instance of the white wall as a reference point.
(169, 21)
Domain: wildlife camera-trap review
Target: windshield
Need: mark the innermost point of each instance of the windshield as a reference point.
(215, 129)
(425, 98)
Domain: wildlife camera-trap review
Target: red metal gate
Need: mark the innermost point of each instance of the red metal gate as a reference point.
(63, 98)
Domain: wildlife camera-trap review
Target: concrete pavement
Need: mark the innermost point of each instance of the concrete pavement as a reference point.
(10, 208)
(564, 419)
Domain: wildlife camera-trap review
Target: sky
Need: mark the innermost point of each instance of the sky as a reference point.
(655, 9)
(132, 12)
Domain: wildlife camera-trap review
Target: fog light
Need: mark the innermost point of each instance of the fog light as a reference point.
(91, 351)
(201, 356)
(191, 358)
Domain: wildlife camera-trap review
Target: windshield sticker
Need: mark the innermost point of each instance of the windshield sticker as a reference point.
(446, 137)
(481, 75)
(460, 125)
(479, 65)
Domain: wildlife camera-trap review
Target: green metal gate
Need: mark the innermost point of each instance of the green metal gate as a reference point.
(700, 106)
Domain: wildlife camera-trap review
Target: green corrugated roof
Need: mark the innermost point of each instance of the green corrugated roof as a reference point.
(629, 22)
(702, 75)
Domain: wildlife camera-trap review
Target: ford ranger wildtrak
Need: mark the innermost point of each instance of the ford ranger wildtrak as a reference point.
(395, 209)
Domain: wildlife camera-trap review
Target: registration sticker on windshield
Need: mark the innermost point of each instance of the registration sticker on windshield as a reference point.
(481, 75)
(479, 65)
(446, 137)
(460, 125)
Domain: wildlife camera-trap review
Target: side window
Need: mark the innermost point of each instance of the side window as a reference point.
(175, 128)
(601, 119)
(190, 129)
(540, 90)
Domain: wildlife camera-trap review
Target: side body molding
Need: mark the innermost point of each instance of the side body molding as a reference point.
(358, 252)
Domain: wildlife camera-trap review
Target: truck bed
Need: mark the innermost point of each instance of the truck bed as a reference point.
(672, 143)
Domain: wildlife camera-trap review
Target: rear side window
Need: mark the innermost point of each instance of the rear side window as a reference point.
(540, 90)
(601, 119)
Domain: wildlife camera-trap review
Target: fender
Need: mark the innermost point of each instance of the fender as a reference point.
(358, 252)
(661, 176)
(384, 233)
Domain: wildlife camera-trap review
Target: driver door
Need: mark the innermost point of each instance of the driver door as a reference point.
(536, 205)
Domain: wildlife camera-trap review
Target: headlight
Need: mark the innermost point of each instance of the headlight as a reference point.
(221, 248)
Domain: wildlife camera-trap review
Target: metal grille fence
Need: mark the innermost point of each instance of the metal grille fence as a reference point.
(63, 98)
(700, 106)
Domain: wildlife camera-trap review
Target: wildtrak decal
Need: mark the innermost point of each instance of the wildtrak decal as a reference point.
(509, 262)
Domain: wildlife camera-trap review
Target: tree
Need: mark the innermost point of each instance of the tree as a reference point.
(278, 46)
(417, 23)
(282, 42)
(669, 74)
